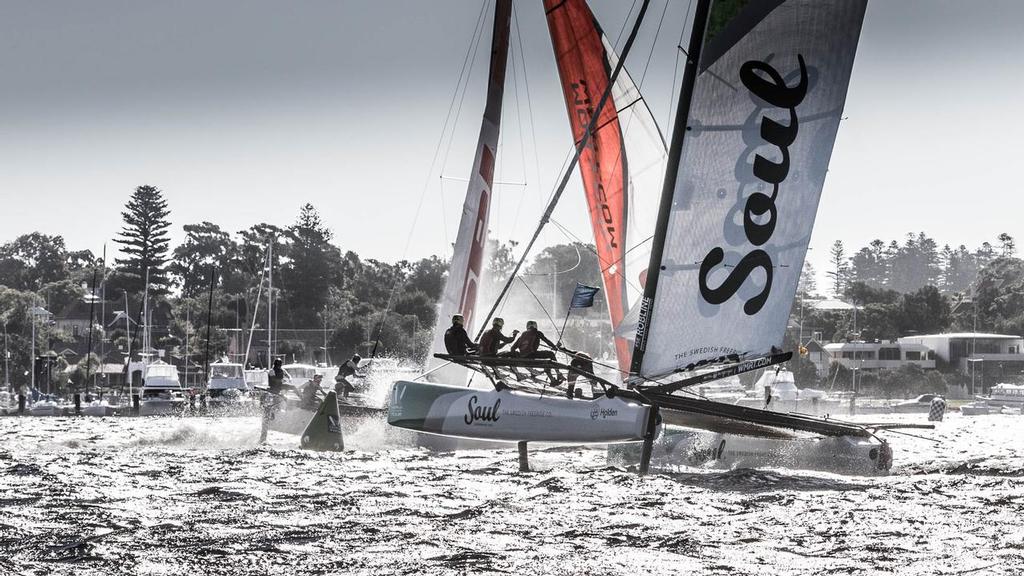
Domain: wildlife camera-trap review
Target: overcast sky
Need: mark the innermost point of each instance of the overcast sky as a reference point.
(242, 111)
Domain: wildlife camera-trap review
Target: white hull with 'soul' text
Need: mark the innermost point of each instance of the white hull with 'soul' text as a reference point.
(510, 416)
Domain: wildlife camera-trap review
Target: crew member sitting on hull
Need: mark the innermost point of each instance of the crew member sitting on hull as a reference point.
(528, 346)
(350, 369)
(580, 361)
(493, 340)
(456, 340)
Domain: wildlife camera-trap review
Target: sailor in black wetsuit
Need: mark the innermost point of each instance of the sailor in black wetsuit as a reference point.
(528, 346)
(342, 385)
(493, 340)
(273, 399)
(456, 340)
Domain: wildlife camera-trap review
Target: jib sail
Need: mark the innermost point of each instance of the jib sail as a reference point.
(623, 164)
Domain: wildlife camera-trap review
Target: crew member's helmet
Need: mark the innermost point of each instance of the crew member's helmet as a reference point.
(356, 358)
(531, 325)
(458, 319)
(498, 322)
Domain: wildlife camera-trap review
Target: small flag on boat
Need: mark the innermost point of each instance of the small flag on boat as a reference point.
(583, 297)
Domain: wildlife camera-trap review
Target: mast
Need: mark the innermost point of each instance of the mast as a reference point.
(700, 19)
(188, 328)
(146, 345)
(270, 301)
(103, 315)
(464, 276)
(255, 308)
(128, 348)
(209, 320)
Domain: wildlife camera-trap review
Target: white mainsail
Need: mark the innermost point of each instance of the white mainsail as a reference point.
(738, 210)
(464, 274)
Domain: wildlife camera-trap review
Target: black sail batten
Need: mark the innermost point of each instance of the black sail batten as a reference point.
(700, 20)
(580, 146)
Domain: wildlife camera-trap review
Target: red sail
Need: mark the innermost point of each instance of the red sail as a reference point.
(585, 62)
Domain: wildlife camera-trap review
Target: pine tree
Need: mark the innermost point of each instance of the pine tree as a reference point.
(1009, 246)
(314, 269)
(808, 284)
(839, 267)
(144, 241)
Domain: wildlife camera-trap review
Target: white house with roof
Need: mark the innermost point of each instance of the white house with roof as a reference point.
(880, 354)
(999, 353)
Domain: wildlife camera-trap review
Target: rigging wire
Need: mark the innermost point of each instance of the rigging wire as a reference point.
(462, 85)
(579, 260)
(675, 68)
(605, 266)
(622, 29)
(519, 118)
(554, 325)
(529, 107)
(255, 308)
(579, 150)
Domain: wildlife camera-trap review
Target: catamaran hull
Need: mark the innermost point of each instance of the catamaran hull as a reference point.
(509, 416)
(862, 456)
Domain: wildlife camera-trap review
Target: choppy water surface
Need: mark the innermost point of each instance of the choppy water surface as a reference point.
(199, 496)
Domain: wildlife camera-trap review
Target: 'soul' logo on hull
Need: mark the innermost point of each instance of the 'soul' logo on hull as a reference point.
(765, 82)
(475, 412)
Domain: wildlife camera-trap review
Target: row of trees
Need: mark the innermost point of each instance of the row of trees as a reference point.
(212, 279)
(916, 262)
(992, 302)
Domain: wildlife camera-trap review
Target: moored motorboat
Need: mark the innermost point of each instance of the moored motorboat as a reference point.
(48, 405)
(785, 396)
(162, 393)
(101, 407)
(977, 409)
(228, 393)
(1005, 395)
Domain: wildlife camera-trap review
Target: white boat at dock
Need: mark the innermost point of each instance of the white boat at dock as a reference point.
(162, 393)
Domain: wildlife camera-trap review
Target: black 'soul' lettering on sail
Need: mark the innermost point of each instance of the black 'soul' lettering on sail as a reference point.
(765, 82)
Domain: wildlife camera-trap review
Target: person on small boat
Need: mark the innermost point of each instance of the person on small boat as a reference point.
(349, 369)
(309, 392)
(275, 380)
(456, 341)
(493, 340)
